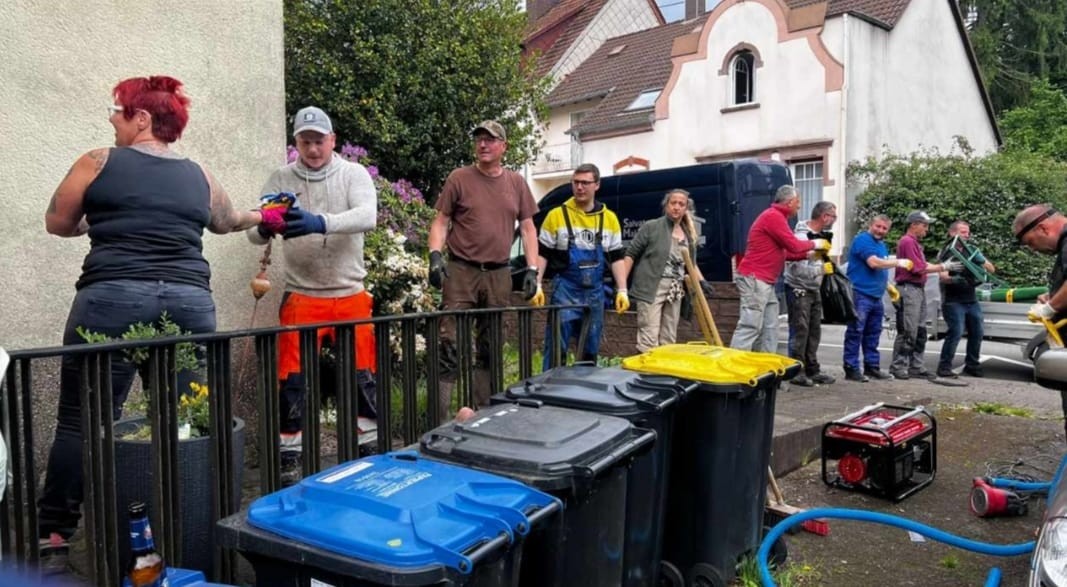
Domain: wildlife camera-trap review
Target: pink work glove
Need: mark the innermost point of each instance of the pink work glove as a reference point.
(273, 220)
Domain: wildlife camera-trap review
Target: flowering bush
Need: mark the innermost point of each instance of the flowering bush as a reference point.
(396, 251)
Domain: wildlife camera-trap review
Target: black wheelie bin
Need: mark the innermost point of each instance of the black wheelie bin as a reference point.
(580, 457)
(721, 450)
(647, 401)
(393, 519)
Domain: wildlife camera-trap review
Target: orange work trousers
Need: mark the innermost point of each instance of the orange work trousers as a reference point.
(302, 309)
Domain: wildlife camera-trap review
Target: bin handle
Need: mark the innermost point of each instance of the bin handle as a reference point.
(605, 462)
(645, 403)
(545, 511)
(483, 551)
(529, 402)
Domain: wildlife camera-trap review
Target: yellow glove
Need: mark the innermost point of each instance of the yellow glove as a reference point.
(828, 268)
(622, 301)
(538, 298)
(1039, 312)
(894, 293)
(906, 264)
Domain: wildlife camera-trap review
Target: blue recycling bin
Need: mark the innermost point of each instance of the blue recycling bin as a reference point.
(393, 519)
(181, 578)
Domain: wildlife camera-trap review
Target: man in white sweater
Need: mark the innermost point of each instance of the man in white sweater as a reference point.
(323, 251)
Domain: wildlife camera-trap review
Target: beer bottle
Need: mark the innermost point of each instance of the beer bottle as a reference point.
(146, 567)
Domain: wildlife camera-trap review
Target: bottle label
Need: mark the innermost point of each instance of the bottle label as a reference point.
(141, 534)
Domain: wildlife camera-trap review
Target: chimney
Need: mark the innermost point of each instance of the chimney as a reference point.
(694, 8)
(535, 9)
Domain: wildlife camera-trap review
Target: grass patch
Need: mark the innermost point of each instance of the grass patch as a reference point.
(999, 409)
(950, 561)
(793, 574)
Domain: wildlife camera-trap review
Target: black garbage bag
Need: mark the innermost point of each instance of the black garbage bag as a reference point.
(838, 305)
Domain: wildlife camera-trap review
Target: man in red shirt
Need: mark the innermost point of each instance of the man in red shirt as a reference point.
(770, 244)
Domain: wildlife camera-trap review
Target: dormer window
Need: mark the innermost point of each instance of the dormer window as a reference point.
(743, 77)
(644, 100)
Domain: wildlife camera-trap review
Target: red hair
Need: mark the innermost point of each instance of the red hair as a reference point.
(161, 96)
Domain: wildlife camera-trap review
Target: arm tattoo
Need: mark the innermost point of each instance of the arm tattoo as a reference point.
(99, 157)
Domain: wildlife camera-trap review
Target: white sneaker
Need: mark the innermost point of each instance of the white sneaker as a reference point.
(291, 441)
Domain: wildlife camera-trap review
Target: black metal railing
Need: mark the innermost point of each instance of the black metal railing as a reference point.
(398, 374)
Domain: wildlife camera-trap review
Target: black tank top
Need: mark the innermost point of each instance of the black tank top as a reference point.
(146, 217)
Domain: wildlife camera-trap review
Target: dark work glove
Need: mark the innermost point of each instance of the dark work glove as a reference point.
(299, 222)
(529, 283)
(706, 287)
(437, 269)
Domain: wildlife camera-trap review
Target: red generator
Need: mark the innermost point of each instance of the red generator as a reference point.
(883, 450)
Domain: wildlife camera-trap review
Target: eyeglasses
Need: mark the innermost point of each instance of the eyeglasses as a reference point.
(1033, 224)
(114, 109)
(483, 139)
(583, 182)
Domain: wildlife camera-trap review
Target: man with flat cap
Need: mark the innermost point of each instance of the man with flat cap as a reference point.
(1042, 229)
(476, 215)
(910, 345)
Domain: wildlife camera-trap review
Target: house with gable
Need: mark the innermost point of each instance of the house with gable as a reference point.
(564, 33)
(813, 83)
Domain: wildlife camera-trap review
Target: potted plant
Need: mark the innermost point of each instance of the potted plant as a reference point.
(197, 474)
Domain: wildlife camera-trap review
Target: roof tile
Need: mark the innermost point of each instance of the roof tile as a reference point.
(644, 64)
(885, 12)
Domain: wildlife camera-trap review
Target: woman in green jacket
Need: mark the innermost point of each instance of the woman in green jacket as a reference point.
(654, 257)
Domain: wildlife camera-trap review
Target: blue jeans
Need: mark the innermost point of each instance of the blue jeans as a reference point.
(108, 308)
(864, 331)
(957, 315)
(565, 292)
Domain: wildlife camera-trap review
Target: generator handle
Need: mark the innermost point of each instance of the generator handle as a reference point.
(918, 410)
(847, 418)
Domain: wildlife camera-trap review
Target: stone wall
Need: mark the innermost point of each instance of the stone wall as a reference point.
(620, 332)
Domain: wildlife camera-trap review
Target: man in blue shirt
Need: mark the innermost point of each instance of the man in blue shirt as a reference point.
(867, 262)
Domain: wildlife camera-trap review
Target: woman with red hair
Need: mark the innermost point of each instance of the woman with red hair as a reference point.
(145, 208)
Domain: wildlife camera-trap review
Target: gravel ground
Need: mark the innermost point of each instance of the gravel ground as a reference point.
(857, 553)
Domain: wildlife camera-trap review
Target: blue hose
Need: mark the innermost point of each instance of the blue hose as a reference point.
(993, 580)
(879, 518)
(1019, 485)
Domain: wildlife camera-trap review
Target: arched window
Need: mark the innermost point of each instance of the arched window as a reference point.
(743, 76)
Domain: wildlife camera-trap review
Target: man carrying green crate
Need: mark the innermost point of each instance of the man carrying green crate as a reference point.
(959, 303)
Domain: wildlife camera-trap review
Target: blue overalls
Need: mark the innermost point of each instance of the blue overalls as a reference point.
(581, 283)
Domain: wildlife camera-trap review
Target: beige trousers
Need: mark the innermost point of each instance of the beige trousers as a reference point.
(657, 323)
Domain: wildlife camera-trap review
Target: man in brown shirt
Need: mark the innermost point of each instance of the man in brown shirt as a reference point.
(476, 215)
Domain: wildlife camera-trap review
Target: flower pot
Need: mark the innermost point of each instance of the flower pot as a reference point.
(133, 472)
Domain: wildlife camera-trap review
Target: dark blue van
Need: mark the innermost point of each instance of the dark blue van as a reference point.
(728, 197)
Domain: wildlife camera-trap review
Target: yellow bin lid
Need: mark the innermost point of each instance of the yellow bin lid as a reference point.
(699, 361)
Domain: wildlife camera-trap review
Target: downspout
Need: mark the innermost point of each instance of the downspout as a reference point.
(852, 225)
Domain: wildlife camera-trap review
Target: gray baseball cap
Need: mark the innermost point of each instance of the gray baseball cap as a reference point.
(919, 216)
(313, 119)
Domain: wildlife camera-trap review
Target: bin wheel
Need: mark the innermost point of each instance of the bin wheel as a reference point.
(705, 575)
(779, 550)
(670, 576)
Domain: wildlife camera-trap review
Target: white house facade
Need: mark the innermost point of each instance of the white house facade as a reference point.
(815, 85)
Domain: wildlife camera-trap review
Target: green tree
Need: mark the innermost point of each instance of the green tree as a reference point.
(1041, 125)
(409, 79)
(987, 192)
(1016, 42)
